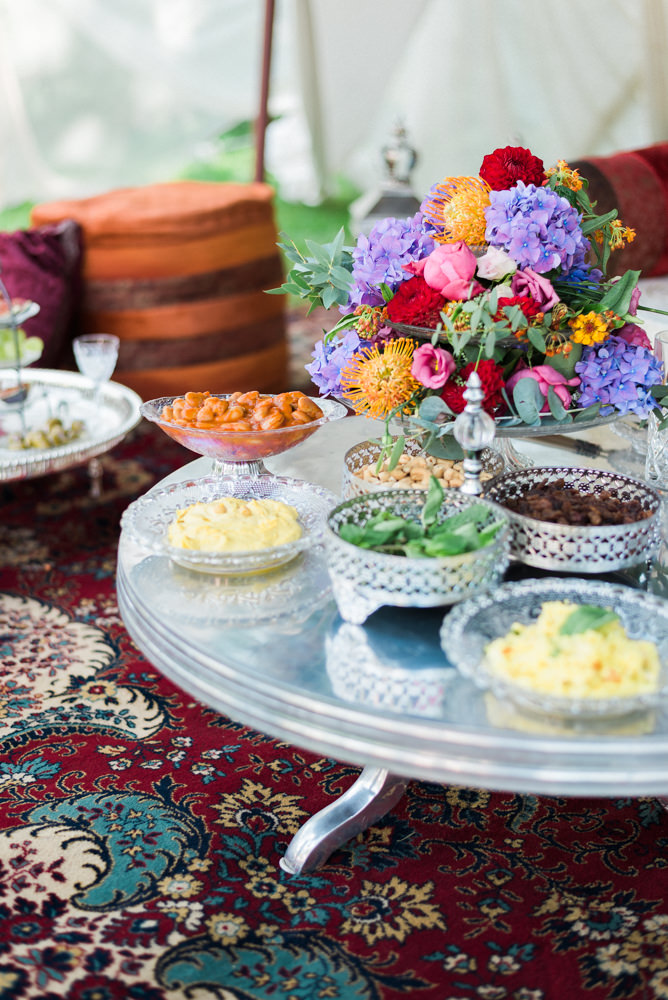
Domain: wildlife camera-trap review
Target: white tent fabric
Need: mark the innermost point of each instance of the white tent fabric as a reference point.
(97, 94)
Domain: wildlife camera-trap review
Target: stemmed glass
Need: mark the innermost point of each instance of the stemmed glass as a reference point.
(96, 355)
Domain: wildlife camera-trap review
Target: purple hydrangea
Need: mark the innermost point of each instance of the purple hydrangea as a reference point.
(379, 258)
(619, 376)
(537, 227)
(330, 358)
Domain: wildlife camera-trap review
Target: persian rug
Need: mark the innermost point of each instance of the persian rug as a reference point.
(140, 832)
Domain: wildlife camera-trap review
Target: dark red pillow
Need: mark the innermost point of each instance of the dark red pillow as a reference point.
(44, 264)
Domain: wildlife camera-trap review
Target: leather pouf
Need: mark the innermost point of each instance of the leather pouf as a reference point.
(179, 271)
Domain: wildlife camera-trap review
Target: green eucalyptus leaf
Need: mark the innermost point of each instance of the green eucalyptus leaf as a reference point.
(588, 413)
(433, 407)
(536, 338)
(528, 400)
(565, 364)
(557, 408)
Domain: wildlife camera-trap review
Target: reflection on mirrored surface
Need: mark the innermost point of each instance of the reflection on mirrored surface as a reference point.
(505, 715)
(368, 663)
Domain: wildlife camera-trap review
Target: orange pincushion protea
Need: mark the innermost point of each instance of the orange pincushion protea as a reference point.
(376, 382)
(456, 210)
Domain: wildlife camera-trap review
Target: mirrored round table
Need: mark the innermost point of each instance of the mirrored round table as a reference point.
(383, 695)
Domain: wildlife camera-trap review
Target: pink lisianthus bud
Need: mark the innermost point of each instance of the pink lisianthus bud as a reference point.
(633, 335)
(527, 282)
(432, 366)
(635, 299)
(449, 269)
(496, 264)
(546, 377)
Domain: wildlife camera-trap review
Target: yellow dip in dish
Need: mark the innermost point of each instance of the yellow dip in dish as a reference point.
(597, 663)
(234, 525)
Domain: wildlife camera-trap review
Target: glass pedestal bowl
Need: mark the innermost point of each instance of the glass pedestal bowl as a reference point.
(239, 453)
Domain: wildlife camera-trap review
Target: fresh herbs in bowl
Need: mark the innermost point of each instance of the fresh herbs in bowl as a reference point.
(429, 537)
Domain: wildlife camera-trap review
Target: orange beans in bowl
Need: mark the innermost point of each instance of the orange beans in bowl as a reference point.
(239, 412)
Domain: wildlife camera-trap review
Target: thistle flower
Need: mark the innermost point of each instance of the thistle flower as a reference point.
(376, 382)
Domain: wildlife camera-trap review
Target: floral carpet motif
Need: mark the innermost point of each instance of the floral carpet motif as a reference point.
(140, 832)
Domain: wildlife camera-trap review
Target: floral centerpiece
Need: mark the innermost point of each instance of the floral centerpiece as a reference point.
(504, 273)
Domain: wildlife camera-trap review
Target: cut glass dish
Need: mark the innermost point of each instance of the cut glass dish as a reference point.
(240, 452)
(473, 624)
(147, 519)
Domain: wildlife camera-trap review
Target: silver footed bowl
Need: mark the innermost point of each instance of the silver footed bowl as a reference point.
(364, 580)
(473, 624)
(569, 548)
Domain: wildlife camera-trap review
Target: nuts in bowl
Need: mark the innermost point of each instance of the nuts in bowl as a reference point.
(413, 470)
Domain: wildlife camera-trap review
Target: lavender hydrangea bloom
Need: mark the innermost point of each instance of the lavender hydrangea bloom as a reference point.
(379, 258)
(619, 376)
(537, 227)
(330, 359)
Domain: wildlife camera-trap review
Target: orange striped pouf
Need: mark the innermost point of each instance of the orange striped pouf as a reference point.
(179, 272)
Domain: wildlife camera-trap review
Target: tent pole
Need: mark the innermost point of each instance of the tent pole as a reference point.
(262, 120)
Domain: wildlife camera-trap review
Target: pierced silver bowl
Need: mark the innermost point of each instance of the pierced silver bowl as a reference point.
(579, 548)
(367, 452)
(364, 580)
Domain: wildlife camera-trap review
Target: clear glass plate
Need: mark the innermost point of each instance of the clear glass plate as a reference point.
(147, 519)
(471, 625)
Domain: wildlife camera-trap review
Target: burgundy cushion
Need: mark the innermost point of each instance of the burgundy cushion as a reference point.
(636, 184)
(44, 264)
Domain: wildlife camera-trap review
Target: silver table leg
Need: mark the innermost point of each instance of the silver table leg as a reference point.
(372, 796)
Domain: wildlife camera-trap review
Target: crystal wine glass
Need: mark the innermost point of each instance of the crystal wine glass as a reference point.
(96, 355)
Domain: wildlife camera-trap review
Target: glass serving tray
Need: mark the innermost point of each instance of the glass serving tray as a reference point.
(70, 396)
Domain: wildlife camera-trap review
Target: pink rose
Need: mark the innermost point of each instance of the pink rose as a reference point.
(527, 282)
(633, 335)
(546, 377)
(449, 269)
(432, 366)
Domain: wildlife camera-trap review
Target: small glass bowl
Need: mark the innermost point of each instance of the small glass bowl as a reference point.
(367, 452)
(569, 548)
(248, 447)
(364, 580)
(147, 519)
(468, 628)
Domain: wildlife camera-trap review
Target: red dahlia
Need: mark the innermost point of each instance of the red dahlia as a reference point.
(505, 167)
(416, 303)
(491, 377)
(528, 306)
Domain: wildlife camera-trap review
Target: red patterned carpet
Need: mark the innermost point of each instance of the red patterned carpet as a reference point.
(140, 832)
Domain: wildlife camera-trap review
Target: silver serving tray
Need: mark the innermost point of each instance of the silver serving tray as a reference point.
(108, 418)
